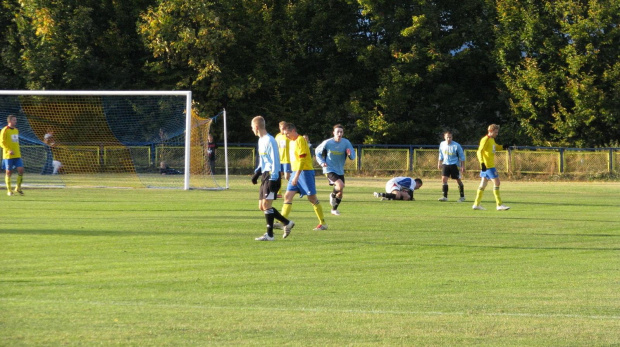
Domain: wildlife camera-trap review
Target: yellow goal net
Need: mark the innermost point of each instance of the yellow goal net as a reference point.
(113, 139)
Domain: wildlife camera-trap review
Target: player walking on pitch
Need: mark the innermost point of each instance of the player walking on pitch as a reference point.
(11, 154)
(269, 171)
(331, 154)
(302, 180)
(486, 157)
(452, 165)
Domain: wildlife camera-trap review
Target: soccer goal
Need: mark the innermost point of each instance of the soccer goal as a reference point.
(151, 139)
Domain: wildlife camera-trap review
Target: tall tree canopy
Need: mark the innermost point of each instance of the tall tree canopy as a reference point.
(390, 71)
(71, 44)
(293, 61)
(560, 66)
(435, 70)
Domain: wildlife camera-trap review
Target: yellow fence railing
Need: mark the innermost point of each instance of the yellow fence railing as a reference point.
(243, 158)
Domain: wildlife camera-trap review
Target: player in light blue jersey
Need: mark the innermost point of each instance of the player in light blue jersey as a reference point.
(269, 168)
(332, 154)
(400, 188)
(452, 165)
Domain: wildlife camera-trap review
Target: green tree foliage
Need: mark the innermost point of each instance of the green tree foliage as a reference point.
(435, 71)
(293, 61)
(9, 54)
(86, 44)
(559, 63)
(390, 71)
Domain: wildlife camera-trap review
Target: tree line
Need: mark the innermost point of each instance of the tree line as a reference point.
(391, 72)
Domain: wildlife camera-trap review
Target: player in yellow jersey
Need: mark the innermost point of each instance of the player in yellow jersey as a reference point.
(302, 180)
(11, 155)
(285, 162)
(486, 157)
(283, 145)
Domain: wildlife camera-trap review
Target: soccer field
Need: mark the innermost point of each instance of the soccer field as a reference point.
(136, 267)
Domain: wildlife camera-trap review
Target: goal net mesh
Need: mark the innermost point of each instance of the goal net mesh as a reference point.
(109, 140)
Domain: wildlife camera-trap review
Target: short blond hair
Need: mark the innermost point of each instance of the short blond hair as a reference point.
(260, 121)
(493, 127)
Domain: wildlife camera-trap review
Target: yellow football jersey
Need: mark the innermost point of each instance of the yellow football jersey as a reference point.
(300, 155)
(9, 140)
(486, 151)
(283, 146)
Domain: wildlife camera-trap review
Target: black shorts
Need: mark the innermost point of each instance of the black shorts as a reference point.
(333, 177)
(451, 171)
(264, 191)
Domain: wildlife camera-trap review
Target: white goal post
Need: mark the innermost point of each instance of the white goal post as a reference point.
(114, 138)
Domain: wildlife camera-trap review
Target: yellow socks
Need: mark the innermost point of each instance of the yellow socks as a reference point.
(20, 178)
(286, 209)
(318, 210)
(498, 199)
(479, 194)
(7, 180)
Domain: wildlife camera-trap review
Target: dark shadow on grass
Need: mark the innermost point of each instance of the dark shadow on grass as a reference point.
(205, 209)
(529, 203)
(444, 245)
(209, 230)
(490, 203)
(563, 220)
(522, 247)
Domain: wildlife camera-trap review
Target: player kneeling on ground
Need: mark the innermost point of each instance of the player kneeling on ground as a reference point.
(400, 188)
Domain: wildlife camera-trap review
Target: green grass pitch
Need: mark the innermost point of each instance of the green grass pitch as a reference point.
(138, 267)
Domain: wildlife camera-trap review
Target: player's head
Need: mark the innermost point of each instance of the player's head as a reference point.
(210, 138)
(493, 130)
(291, 131)
(418, 183)
(282, 126)
(447, 136)
(11, 120)
(258, 125)
(338, 132)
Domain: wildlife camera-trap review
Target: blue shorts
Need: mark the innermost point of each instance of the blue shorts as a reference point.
(285, 167)
(11, 164)
(489, 174)
(305, 184)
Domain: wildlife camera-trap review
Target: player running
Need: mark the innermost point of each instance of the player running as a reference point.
(331, 154)
(452, 165)
(486, 157)
(400, 188)
(11, 154)
(269, 169)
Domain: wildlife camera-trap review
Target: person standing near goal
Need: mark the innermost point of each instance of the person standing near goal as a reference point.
(332, 154)
(11, 154)
(302, 180)
(269, 171)
(486, 157)
(211, 153)
(51, 166)
(452, 165)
